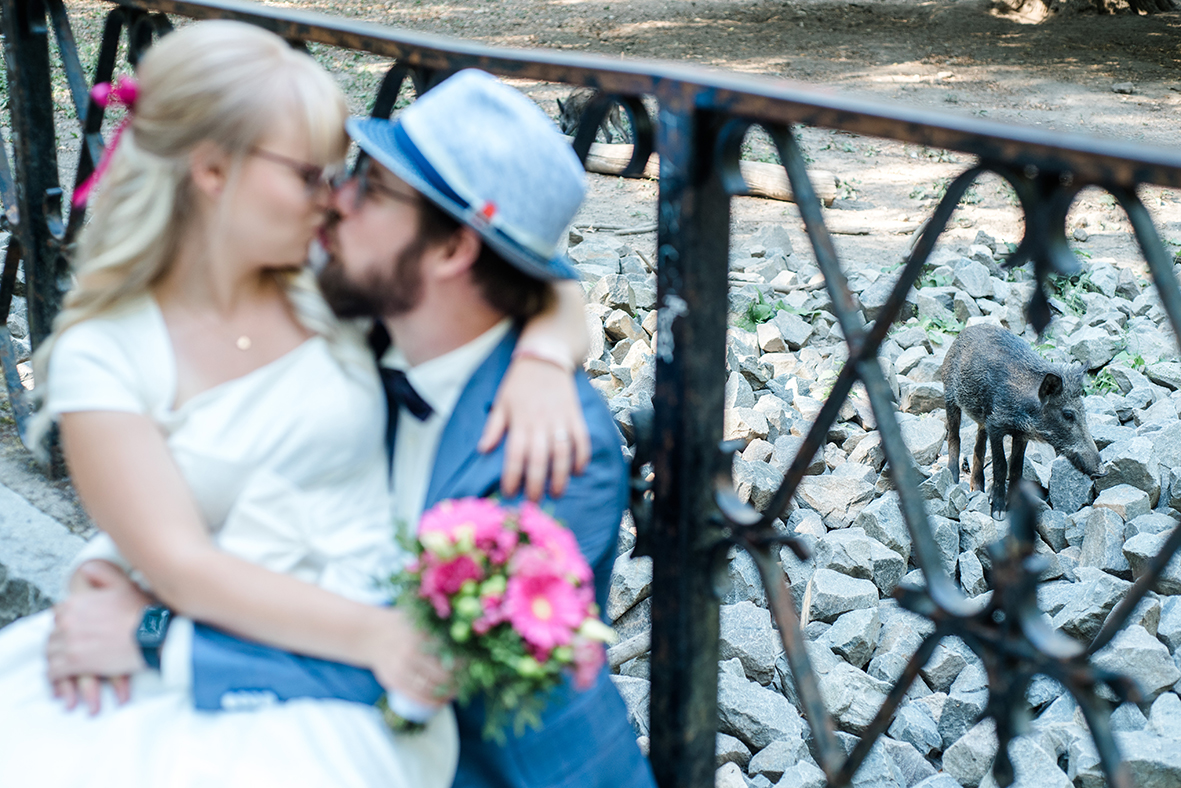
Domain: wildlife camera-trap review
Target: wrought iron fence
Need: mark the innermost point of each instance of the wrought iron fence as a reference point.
(686, 509)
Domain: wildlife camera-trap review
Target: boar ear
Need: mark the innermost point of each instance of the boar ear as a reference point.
(1051, 386)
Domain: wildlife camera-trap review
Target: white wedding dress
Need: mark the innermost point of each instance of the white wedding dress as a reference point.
(288, 466)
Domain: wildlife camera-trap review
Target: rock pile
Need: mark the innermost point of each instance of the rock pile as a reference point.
(783, 352)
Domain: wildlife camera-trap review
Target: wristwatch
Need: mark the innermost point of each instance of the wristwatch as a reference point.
(150, 636)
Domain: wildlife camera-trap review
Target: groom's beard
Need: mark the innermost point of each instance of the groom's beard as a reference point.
(393, 290)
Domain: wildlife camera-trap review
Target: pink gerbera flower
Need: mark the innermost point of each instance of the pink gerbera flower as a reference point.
(557, 540)
(544, 609)
(481, 518)
(441, 581)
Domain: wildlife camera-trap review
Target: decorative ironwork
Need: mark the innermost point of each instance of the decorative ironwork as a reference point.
(685, 507)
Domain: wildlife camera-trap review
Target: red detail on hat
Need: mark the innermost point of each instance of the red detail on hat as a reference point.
(488, 211)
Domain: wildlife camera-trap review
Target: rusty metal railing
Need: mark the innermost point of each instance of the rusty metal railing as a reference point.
(689, 511)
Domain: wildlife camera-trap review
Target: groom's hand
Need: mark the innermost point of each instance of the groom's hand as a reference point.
(94, 635)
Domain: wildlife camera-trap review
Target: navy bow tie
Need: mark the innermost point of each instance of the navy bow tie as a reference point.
(400, 392)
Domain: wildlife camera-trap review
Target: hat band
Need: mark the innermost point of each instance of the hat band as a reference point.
(425, 167)
(482, 216)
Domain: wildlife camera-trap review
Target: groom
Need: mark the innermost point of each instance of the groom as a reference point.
(450, 234)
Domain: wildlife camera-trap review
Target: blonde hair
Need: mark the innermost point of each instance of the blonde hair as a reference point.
(218, 81)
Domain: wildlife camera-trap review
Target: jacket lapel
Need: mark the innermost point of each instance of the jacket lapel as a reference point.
(457, 446)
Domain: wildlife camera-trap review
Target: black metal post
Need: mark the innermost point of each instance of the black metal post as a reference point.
(694, 218)
(26, 50)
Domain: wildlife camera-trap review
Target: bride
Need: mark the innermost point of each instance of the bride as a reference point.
(223, 431)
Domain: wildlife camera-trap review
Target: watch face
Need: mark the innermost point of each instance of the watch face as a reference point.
(154, 625)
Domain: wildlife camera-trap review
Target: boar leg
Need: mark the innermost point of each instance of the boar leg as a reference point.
(978, 460)
(953, 441)
(999, 473)
(1016, 462)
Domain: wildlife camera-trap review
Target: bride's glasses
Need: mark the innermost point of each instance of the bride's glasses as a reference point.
(315, 178)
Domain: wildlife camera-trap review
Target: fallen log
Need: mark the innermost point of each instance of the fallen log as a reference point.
(763, 179)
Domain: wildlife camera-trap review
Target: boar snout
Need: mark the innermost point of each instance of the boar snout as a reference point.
(1089, 463)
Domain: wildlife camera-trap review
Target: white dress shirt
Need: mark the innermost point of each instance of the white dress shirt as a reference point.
(439, 381)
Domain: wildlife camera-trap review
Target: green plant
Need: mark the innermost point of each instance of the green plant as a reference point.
(1102, 383)
(847, 189)
(759, 312)
(1069, 290)
(933, 279)
(938, 328)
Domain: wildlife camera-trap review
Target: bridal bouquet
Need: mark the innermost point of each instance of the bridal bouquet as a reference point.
(509, 596)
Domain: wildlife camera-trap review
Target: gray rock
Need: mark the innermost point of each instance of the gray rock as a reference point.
(786, 448)
(1142, 548)
(915, 725)
(965, 702)
(924, 437)
(977, 532)
(1169, 629)
(1137, 654)
(731, 750)
(635, 694)
(1128, 717)
(837, 499)
(1165, 373)
(739, 393)
(852, 696)
(744, 424)
(1153, 761)
(970, 758)
(755, 482)
(729, 775)
(854, 635)
(1087, 609)
(947, 539)
(774, 759)
(943, 667)
(631, 582)
(920, 398)
(972, 574)
(746, 633)
(1051, 526)
(754, 714)
(802, 775)
(940, 780)
(1131, 462)
(834, 593)
(1164, 718)
(615, 291)
(1151, 523)
(1125, 500)
(794, 330)
(1103, 543)
(878, 770)
(1033, 767)
(973, 278)
(745, 582)
(774, 238)
(882, 519)
(1093, 347)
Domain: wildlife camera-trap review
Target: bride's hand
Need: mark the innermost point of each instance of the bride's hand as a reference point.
(538, 406)
(402, 659)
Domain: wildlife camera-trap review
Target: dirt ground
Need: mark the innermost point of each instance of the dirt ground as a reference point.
(961, 57)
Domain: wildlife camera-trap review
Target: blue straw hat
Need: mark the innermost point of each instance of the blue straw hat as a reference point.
(489, 157)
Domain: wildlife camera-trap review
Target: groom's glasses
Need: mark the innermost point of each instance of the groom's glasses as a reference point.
(315, 178)
(369, 184)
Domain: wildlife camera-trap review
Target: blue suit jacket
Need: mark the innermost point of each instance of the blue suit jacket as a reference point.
(585, 739)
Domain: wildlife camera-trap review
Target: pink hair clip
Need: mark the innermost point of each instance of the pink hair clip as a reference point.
(125, 91)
